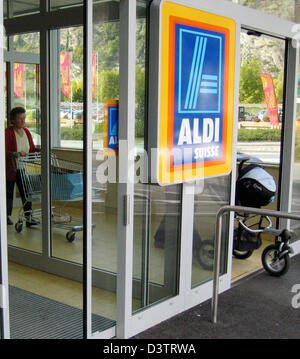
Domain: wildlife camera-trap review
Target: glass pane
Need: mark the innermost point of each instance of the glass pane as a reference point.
(261, 101)
(295, 225)
(5, 9)
(105, 94)
(67, 145)
(24, 206)
(157, 217)
(58, 4)
(210, 196)
(28, 7)
(29, 42)
(140, 77)
(284, 9)
(259, 137)
(157, 210)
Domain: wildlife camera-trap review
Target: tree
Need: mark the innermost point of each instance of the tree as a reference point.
(251, 89)
(278, 84)
(140, 102)
(108, 85)
(77, 91)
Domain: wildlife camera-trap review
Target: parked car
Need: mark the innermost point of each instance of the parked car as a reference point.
(244, 116)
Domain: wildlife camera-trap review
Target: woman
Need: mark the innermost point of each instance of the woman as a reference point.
(18, 142)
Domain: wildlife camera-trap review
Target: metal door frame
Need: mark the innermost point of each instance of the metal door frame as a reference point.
(4, 307)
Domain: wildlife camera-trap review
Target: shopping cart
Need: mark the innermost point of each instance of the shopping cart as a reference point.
(66, 186)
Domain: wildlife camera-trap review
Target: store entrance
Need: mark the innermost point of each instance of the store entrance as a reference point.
(260, 124)
(47, 242)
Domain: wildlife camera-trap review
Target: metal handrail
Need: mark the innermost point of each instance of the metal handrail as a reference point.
(217, 255)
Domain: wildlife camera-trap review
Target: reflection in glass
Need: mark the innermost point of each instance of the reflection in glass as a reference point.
(67, 129)
(21, 8)
(157, 210)
(207, 201)
(105, 89)
(284, 9)
(5, 2)
(29, 42)
(157, 216)
(27, 95)
(260, 120)
(58, 4)
(295, 225)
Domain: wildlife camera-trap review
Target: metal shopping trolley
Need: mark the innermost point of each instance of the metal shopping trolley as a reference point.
(66, 186)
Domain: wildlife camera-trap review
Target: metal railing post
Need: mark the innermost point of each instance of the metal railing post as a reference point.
(218, 241)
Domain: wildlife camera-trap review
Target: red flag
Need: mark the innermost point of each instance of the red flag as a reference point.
(94, 81)
(19, 80)
(65, 73)
(270, 97)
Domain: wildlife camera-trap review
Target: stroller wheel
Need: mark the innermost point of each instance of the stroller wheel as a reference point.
(242, 254)
(272, 263)
(205, 254)
(70, 236)
(19, 226)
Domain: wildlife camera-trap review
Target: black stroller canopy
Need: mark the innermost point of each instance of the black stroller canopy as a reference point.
(260, 175)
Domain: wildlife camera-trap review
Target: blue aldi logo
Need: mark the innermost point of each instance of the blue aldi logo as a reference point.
(199, 62)
(113, 120)
(199, 70)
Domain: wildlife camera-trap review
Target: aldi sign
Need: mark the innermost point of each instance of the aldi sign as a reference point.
(111, 127)
(195, 94)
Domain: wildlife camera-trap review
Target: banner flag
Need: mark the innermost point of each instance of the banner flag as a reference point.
(65, 73)
(270, 97)
(94, 81)
(19, 80)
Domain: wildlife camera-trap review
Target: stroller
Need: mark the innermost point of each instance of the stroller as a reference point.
(255, 187)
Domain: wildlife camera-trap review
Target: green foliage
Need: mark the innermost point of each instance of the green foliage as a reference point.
(99, 127)
(297, 147)
(77, 91)
(278, 84)
(260, 134)
(108, 88)
(140, 102)
(74, 133)
(107, 42)
(251, 89)
(297, 153)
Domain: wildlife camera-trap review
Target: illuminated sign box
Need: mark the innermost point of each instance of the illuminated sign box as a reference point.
(191, 98)
(111, 127)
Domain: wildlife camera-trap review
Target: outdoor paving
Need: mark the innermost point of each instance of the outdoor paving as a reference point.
(260, 307)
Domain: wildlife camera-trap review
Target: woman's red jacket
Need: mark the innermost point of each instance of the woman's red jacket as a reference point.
(11, 146)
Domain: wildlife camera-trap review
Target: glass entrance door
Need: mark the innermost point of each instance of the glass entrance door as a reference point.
(102, 157)
(4, 311)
